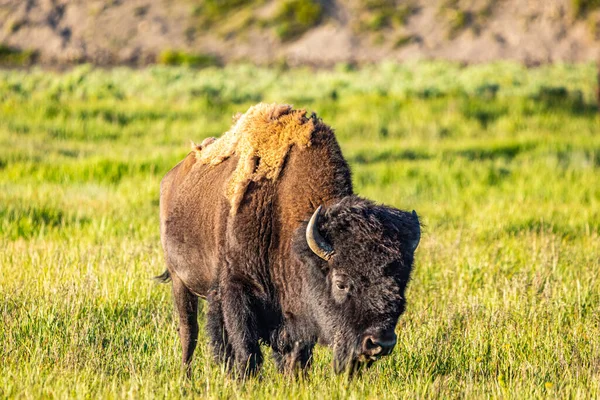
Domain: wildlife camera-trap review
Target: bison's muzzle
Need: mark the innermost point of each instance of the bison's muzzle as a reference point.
(375, 346)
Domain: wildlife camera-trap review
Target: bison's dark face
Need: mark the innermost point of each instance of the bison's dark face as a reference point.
(358, 256)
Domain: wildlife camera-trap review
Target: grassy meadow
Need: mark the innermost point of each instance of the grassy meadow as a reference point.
(501, 162)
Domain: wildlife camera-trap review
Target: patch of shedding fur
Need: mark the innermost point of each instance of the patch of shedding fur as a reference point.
(261, 139)
(203, 145)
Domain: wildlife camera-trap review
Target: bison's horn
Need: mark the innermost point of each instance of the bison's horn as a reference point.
(415, 242)
(315, 241)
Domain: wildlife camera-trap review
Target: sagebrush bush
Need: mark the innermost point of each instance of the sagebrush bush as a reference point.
(177, 57)
(294, 17)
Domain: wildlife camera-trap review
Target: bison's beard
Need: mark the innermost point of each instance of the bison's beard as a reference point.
(347, 357)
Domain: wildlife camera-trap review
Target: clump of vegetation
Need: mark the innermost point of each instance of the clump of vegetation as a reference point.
(177, 57)
(374, 15)
(582, 7)
(14, 24)
(560, 97)
(460, 19)
(294, 17)
(213, 11)
(404, 39)
(140, 11)
(27, 220)
(487, 90)
(594, 27)
(237, 24)
(10, 56)
(290, 19)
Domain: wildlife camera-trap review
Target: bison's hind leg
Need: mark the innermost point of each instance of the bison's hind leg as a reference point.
(187, 307)
(215, 328)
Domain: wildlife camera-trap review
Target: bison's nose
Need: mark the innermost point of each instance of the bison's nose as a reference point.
(379, 345)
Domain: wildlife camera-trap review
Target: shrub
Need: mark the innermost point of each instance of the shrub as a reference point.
(177, 57)
(459, 22)
(213, 10)
(403, 40)
(294, 17)
(379, 14)
(16, 57)
(582, 7)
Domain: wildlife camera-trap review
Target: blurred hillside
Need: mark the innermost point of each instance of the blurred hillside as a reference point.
(314, 32)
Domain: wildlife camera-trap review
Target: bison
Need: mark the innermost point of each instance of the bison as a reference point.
(263, 224)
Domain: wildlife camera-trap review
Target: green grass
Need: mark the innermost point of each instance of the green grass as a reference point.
(501, 162)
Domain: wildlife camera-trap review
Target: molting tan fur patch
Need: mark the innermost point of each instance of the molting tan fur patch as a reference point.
(261, 139)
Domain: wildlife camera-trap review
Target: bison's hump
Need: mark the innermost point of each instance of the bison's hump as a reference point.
(261, 139)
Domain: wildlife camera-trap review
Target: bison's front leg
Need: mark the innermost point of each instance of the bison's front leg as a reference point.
(298, 355)
(240, 318)
(215, 327)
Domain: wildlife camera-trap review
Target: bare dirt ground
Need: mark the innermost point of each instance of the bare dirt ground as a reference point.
(109, 32)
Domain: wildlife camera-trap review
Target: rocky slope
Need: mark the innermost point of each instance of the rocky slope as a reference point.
(325, 32)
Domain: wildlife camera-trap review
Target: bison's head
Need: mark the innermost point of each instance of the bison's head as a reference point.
(358, 258)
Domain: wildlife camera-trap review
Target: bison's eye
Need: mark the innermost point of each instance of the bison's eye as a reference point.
(343, 285)
(340, 290)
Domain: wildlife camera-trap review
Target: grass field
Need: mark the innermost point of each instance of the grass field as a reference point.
(501, 162)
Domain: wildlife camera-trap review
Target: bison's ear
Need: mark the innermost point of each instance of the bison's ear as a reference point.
(414, 243)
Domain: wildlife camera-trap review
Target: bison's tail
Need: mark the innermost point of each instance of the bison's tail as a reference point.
(164, 277)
